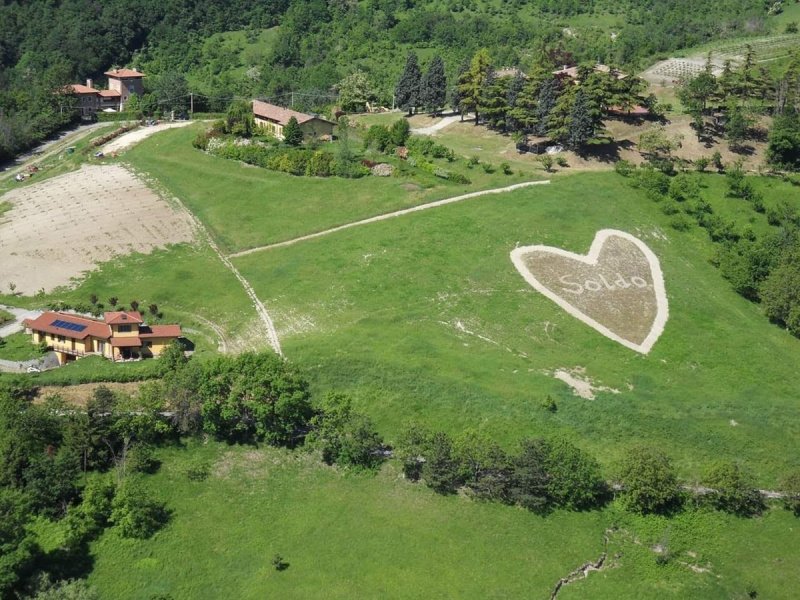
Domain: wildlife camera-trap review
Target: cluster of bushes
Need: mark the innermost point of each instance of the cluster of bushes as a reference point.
(540, 476)
(438, 171)
(295, 161)
(762, 268)
(425, 146)
(104, 139)
(545, 474)
(385, 139)
(80, 467)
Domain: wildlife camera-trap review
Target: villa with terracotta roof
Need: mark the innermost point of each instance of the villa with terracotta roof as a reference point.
(273, 119)
(121, 84)
(121, 335)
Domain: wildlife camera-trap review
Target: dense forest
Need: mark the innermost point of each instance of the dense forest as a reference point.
(46, 45)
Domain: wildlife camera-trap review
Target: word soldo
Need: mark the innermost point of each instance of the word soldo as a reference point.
(599, 283)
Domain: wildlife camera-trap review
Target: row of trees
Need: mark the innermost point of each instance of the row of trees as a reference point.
(563, 109)
(544, 474)
(85, 468)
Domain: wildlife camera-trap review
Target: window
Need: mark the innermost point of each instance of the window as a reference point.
(124, 329)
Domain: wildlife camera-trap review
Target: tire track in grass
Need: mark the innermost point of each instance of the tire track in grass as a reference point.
(385, 216)
(261, 310)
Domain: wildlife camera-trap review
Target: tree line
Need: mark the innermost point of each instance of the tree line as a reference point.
(47, 45)
(554, 105)
(87, 468)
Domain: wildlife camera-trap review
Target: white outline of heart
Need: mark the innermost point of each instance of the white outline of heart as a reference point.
(662, 306)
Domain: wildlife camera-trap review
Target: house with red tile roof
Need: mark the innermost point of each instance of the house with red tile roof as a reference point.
(122, 83)
(273, 119)
(120, 335)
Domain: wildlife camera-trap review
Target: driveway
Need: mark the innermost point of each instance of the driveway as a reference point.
(20, 314)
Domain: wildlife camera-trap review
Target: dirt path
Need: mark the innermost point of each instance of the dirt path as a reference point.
(20, 314)
(48, 149)
(132, 138)
(444, 122)
(261, 310)
(383, 217)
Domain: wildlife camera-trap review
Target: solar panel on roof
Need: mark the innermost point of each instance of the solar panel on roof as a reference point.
(67, 325)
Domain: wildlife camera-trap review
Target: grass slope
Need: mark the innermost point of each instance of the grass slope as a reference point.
(425, 317)
(352, 536)
(246, 206)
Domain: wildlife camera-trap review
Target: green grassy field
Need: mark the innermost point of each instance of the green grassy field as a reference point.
(424, 317)
(360, 536)
(246, 206)
(18, 346)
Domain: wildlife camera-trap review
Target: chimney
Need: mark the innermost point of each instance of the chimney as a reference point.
(89, 83)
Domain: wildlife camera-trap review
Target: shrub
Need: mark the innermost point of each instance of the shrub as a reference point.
(791, 489)
(561, 161)
(483, 466)
(733, 490)
(320, 164)
(135, 512)
(701, 164)
(506, 168)
(400, 132)
(574, 479)
(473, 160)
(547, 162)
(649, 483)
(670, 207)
(624, 167)
(344, 436)
(716, 160)
(654, 182)
(378, 137)
(549, 404)
(198, 472)
(680, 223)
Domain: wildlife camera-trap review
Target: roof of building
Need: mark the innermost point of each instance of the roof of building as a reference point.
(68, 325)
(123, 73)
(79, 88)
(109, 93)
(281, 115)
(601, 68)
(122, 317)
(160, 331)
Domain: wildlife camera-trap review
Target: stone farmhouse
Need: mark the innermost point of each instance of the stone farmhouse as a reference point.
(121, 84)
(120, 335)
(273, 119)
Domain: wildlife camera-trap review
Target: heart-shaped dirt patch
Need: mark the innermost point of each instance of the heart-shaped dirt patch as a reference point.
(617, 288)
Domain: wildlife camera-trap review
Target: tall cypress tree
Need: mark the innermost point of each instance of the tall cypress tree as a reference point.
(455, 94)
(434, 86)
(407, 92)
(471, 83)
(515, 89)
(582, 125)
(493, 101)
(548, 96)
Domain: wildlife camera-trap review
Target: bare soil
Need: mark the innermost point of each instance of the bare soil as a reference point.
(127, 140)
(64, 226)
(78, 395)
